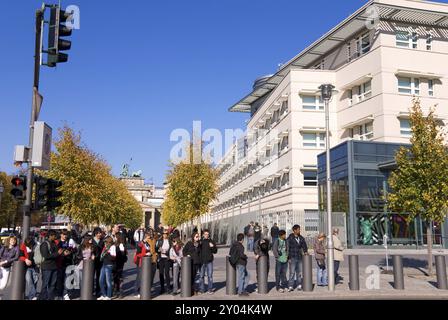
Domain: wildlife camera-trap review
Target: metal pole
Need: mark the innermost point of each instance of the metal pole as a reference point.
(2, 189)
(262, 272)
(441, 273)
(230, 278)
(88, 270)
(330, 245)
(398, 272)
(307, 281)
(354, 272)
(186, 277)
(18, 280)
(145, 279)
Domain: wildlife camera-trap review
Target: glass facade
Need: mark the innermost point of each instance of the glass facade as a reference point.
(359, 173)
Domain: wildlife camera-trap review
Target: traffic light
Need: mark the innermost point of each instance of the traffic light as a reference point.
(58, 29)
(46, 194)
(18, 187)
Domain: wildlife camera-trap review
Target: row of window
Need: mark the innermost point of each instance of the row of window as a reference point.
(277, 183)
(409, 39)
(270, 154)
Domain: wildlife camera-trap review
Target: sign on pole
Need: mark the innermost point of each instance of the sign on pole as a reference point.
(41, 152)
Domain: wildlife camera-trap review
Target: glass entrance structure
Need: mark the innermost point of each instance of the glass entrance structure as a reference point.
(360, 170)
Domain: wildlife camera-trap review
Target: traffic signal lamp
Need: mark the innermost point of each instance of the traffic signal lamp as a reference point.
(18, 187)
(46, 194)
(58, 29)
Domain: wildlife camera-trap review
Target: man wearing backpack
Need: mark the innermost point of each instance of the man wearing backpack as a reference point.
(239, 260)
(297, 249)
(280, 250)
(50, 252)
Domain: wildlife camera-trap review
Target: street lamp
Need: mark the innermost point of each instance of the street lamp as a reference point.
(2, 189)
(326, 92)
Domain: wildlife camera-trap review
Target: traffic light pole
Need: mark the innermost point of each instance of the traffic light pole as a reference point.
(18, 276)
(34, 115)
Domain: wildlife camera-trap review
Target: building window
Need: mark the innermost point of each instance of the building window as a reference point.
(314, 140)
(366, 131)
(409, 85)
(350, 97)
(431, 88)
(310, 178)
(363, 44)
(429, 42)
(406, 39)
(285, 180)
(365, 91)
(405, 128)
(312, 103)
(284, 108)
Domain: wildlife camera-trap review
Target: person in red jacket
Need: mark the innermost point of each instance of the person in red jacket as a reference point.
(26, 254)
(143, 250)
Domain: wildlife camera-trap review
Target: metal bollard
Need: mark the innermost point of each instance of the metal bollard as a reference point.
(354, 272)
(18, 280)
(262, 272)
(145, 279)
(307, 283)
(230, 278)
(398, 272)
(186, 277)
(441, 273)
(88, 272)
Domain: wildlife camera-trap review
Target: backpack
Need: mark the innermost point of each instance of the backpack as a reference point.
(38, 258)
(234, 256)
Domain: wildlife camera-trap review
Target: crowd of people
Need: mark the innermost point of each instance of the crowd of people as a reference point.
(60, 255)
(288, 253)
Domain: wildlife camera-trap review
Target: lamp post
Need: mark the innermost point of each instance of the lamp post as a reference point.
(2, 189)
(326, 91)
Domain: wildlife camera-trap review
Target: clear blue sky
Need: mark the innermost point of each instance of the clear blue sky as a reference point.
(139, 69)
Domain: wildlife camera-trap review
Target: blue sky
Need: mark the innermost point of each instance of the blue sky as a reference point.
(139, 69)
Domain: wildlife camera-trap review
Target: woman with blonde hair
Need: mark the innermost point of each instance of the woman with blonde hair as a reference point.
(9, 253)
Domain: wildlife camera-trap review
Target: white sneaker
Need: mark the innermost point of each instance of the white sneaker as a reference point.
(137, 296)
(35, 298)
(299, 287)
(290, 289)
(281, 290)
(107, 298)
(100, 298)
(67, 297)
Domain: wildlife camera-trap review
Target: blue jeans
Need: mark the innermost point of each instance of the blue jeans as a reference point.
(322, 277)
(280, 274)
(209, 268)
(31, 278)
(106, 281)
(295, 271)
(250, 243)
(49, 278)
(243, 278)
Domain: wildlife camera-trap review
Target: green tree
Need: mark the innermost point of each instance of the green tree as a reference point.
(420, 183)
(192, 186)
(91, 194)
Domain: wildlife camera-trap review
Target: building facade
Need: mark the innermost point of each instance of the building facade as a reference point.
(378, 59)
(149, 197)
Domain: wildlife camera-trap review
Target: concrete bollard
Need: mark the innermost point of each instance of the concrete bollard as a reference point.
(262, 272)
(186, 277)
(145, 279)
(18, 280)
(398, 272)
(441, 273)
(354, 272)
(230, 278)
(88, 272)
(307, 266)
